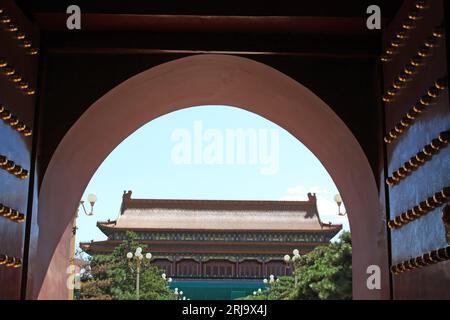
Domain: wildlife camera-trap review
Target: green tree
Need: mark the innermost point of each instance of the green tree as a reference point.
(282, 289)
(326, 272)
(112, 277)
(95, 281)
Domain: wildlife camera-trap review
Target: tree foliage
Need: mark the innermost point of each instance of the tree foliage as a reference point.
(95, 282)
(324, 273)
(111, 278)
(279, 290)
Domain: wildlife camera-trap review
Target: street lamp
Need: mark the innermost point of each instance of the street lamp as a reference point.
(135, 262)
(338, 200)
(295, 256)
(291, 260)
(168, 280)
(92, 198)
(271, 280)
(257, 292)
(179, 294)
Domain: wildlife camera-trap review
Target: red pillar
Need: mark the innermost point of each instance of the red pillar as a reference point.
(174, 267)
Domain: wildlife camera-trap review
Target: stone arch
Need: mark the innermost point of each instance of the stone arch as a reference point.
(206, 79)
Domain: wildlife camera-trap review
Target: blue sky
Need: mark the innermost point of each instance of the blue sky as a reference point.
(148, 163)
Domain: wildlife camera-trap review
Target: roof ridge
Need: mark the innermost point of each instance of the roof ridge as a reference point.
(293, 202)
(128, 202)
(126, 198)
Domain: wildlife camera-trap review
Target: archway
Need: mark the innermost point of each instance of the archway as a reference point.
(207, 80)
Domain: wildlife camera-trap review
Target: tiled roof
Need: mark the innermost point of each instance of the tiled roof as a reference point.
(158, 214)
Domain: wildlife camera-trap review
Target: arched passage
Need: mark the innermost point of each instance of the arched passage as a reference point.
(207, 80)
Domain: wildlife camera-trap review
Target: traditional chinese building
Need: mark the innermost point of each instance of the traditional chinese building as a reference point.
(218, 238)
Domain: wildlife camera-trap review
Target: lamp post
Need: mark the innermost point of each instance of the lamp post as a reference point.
(291, 260)
(271, 280)
(92, 198)
(179, 294)
(338, 200)
(168, 280)
(135, 262)
(258, 292)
